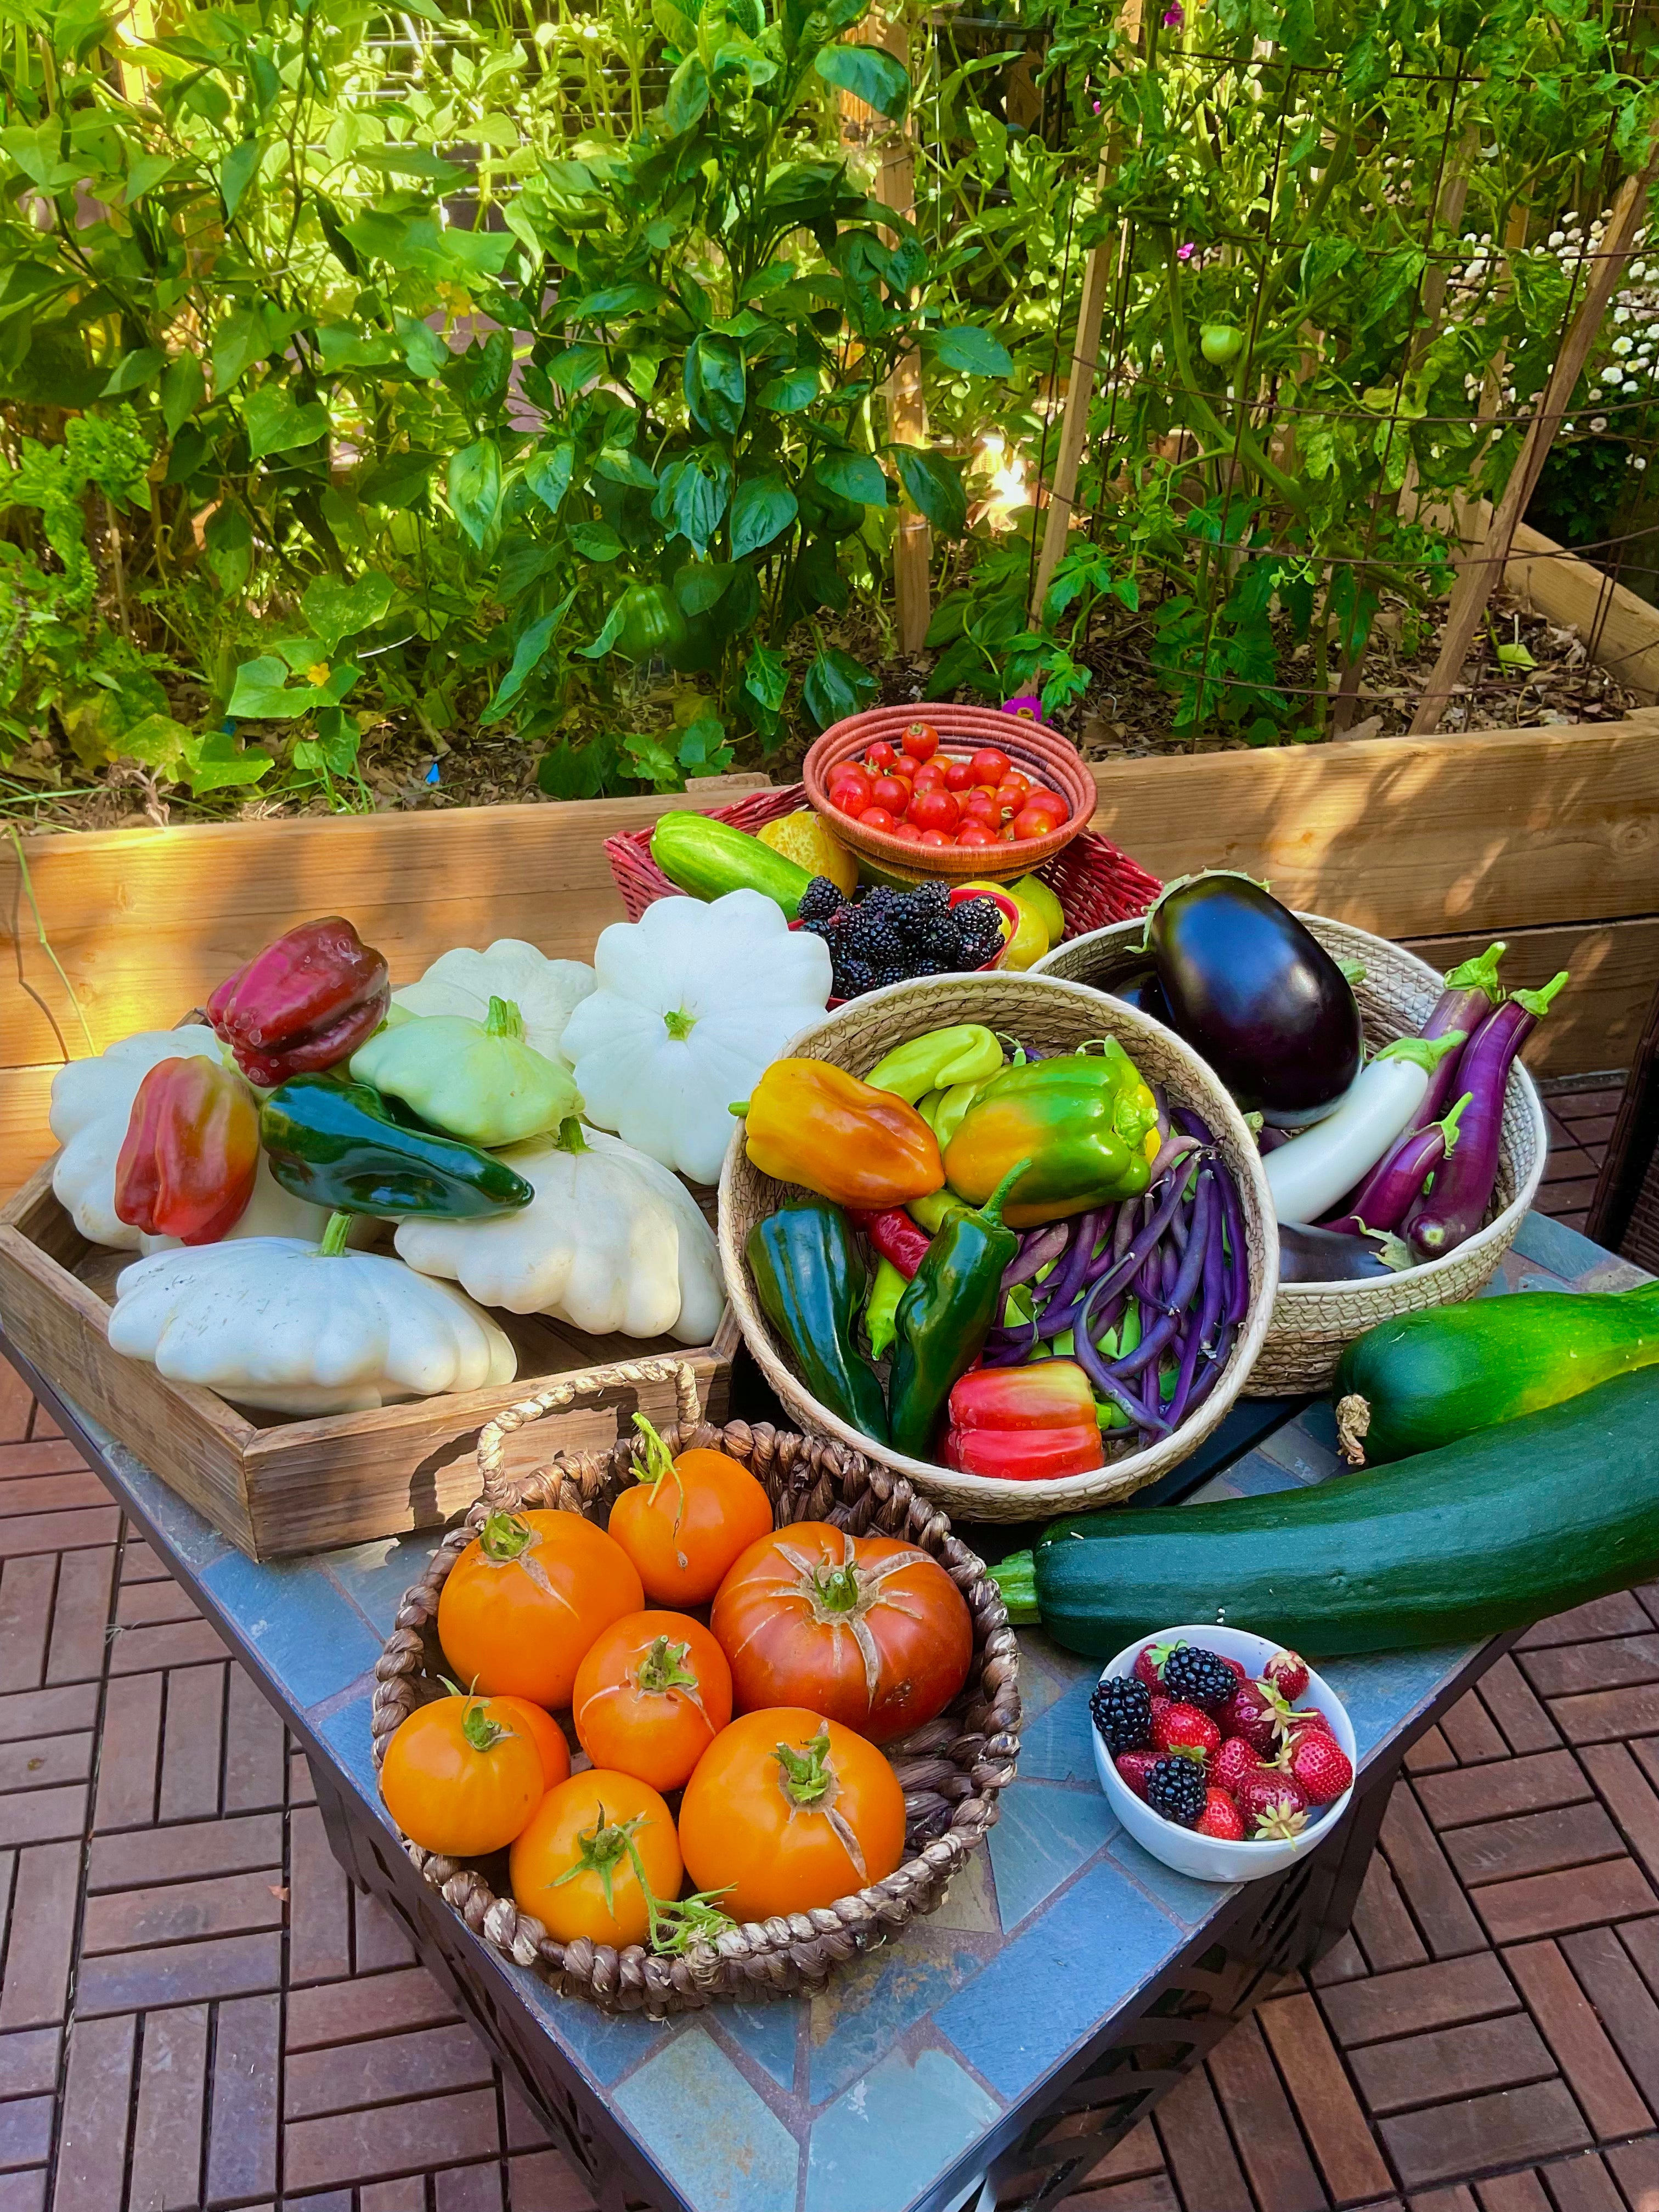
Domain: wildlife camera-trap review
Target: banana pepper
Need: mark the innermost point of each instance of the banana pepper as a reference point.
(966, 1052)
(815, 1125)
(1086, 1121)
(188, 1161)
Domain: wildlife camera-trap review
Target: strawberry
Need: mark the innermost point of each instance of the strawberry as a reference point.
(1288, 1672)
(1134, 1767)
(1252, 1712)
(1320, 1766)
(1280, 1822)
(1271, 1795)
(1160, 1704)
(1237, 1667)
(1149, 1664)
(1307, 1721)
(1221, 1818)
(1185, 1730)
(1234, 1762)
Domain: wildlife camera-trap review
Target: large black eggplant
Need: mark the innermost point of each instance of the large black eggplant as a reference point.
(1141, 989)
(1257, 995)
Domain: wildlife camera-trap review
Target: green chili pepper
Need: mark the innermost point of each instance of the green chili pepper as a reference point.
(967, 1053)
(887, 1287)
(932, 1211)
(342, 1146)
(945, 1315)
(809, 1277)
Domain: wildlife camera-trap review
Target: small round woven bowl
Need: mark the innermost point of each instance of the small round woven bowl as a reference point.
(952, 1771)
(1036, 752)
(1314, 1324)
(1038, 1011)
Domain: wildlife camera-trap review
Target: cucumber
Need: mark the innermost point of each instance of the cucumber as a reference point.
(1505, 1527)
(1425, 1379)
(709, 858)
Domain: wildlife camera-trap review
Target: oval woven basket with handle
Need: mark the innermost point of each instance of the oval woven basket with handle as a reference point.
(1040, 1011)
(952, 1771)
(1313, 1324)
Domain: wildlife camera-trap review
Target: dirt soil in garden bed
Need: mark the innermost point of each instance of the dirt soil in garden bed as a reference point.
(1124, 714)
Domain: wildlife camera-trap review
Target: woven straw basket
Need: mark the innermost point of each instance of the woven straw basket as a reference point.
(952, 1771)
(1038, 1011)
(1314, 1324)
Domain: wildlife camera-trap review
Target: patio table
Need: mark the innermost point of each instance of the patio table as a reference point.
(1067, 1982)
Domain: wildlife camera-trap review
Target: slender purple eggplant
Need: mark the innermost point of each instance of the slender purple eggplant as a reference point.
(1332, 1256)
(1471, 993)
(1395, 1183)
(1444, 1217)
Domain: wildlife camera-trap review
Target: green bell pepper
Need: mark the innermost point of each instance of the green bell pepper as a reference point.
(1085, 1122)
(966, 1052)
(809, 1277)
(478, 1081)
(339, 1144)
(945, 1314)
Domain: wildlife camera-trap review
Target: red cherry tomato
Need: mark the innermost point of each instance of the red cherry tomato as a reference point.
(892, 793)
(906, 833)
(934, 810)
(930, 777)
(936, 837)
(877, 817)
(980, 806)
(1015, 782)
(958, 775)
(1007, 833)
(1037, 796)
(880, 755)
(976, 832)
(850, 798)
(1035, 822)
(989, 766)
(921, 741)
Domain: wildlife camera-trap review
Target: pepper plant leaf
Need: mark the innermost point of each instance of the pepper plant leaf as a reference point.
(870, 74)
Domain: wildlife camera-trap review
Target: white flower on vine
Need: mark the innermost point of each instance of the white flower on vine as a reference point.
(1638, 270)
(1558, 238)
(1598, 423)
(1621, 346)
(1639, 461)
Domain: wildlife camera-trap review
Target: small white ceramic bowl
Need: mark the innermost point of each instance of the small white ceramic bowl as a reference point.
(1211, 1858)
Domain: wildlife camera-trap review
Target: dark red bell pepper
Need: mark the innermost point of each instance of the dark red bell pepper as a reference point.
(304, 1004)
(1024, 1424)
(894, 1236)
(187, 1163)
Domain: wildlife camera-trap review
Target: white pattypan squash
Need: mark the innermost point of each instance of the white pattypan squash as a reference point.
(91, 1105)
(277, 1322)
(693, 1002)
(465, 982)
(610, 1241)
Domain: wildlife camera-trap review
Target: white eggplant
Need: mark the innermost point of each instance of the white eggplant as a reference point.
(1316, 1170)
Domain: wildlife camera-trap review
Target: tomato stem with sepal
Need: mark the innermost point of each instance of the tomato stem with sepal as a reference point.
(504, 1537)
(664, 1667)
(686, 1921)
(480, 1731)
(807, 1775)
(659, 1463)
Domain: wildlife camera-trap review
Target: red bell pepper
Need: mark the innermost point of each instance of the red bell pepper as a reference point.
(187, 1163)
(1024, 1424)
(306, 1003)
(894, 1236)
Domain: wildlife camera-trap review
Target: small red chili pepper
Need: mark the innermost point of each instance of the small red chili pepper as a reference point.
(894, 1236)
(1024, 1424)
(187, 1163)
(306, 1003)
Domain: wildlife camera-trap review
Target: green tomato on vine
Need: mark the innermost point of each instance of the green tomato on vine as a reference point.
(1221, 344)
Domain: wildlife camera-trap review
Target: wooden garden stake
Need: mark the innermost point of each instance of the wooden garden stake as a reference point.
(1483, 567)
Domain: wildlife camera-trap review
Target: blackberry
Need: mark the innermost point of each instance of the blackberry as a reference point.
(1121, 1709)
(853, 977)
(892, 972)
(1176, 1789)
(879, 943)
(819, 900)
(1199, 1677)
(932, 900)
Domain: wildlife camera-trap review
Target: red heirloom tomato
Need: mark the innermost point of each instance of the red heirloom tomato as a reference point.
(921, 741)
(989, 767)
(933, 810)
(865, 1630)
(788, 1811)
(958, 775)
(880, 754)
(577, 1864)
(1035, 822)
(877, 817)
(462, 1775)
(975, 834)
(526, 1599)
(651, 1696)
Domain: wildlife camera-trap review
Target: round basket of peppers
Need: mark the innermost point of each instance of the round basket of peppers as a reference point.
(1013, 1243)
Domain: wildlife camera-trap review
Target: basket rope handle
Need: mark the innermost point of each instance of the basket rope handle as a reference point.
(496, 1491)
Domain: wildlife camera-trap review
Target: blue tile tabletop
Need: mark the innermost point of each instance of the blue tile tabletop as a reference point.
(884, 2093)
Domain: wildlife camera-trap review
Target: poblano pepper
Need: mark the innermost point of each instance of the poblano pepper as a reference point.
(809, 1277)
(340, 1145)
(1085, 1121)
(943, 1318)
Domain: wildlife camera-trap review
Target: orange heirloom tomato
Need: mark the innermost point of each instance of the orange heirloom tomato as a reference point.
(651, 1697)
(462, 1775)
(868, 1631)
(526, 1598)
(787, 1811)
(597, 1854)
(687, 1519)
(544, 1732)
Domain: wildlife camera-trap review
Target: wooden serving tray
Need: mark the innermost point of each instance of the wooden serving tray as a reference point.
(274, 1483)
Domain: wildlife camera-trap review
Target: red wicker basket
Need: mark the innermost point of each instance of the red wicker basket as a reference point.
(1094, 882)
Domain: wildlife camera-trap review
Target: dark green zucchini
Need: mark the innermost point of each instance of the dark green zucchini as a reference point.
(1425, 1379)
(1504, 1528)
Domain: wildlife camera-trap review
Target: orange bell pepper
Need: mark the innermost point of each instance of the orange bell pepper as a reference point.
(188, 1161)
(818, 1127)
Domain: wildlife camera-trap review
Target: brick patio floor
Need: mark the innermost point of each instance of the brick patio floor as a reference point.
(195, 2010)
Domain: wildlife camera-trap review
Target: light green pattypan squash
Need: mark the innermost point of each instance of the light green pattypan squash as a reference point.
(478, 1081)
